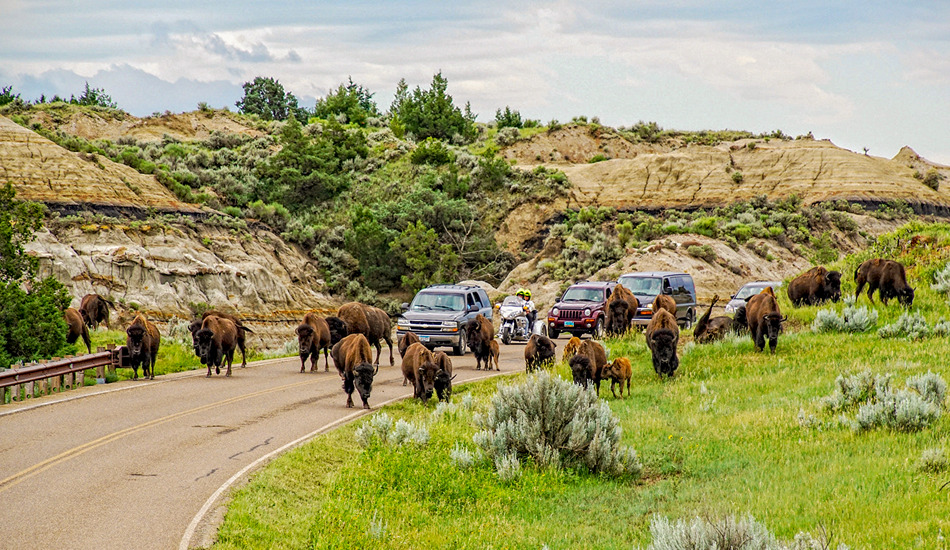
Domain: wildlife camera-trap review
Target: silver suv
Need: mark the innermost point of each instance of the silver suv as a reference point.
(646, 285)
(437, 315)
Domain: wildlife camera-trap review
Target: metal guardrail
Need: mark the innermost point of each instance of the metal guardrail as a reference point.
(58, 374)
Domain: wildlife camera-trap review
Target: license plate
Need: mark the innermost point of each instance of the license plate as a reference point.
(569, 323)
(423, 338)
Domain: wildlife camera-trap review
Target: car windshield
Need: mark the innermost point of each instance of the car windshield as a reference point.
(642, 285)
(749, 290)
(428, 301)
(512, 301)
(583, 295)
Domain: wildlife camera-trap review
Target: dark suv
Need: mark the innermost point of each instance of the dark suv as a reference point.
(438, 314)
(646, 285)
(580, 310)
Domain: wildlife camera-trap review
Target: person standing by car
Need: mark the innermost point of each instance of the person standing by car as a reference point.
(530, 311)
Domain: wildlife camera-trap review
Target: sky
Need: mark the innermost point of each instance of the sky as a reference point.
(872, 74)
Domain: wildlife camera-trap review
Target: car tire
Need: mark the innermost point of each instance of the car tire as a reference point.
(505, 336)
(459, 350)
(690, 319)
(598, 329)
(553, 334)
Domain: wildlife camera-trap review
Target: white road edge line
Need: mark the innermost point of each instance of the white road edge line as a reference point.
(213, 499)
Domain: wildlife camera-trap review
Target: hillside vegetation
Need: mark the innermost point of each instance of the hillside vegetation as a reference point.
(735, 433)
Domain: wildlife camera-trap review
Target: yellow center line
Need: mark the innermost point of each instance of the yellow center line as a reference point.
(76, 451)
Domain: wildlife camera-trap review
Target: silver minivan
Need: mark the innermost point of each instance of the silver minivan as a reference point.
(646, 285)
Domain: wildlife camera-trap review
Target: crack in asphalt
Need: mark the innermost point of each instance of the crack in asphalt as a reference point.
(258, 446)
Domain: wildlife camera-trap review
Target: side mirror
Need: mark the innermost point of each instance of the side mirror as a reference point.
(404, 306)
(472, 307)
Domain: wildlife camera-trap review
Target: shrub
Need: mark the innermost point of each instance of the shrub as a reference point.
(900, 410)
(912, 326)
(507, 135)
(852, 319)
(879, 405)
(432, 152)
(381, 430)
(703, 252)
(933, 461)
(930, 386)
(737, 177)
(850, 391)
(556, 424)
(726, 533)
(463, 458)
(942, 280)
(932, 179)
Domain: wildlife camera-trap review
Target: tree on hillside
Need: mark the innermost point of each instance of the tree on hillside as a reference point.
(368, 241)
(94, 97)
(31, 310)
(431, 113)
(508, 118)
(266, 98)
(7, 95)
(428, 261)
(350, 100)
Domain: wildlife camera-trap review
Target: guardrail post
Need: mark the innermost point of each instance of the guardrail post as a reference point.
(112, 347)
(100, 371)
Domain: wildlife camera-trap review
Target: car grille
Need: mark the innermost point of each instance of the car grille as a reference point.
(570, 314)
(425, 326)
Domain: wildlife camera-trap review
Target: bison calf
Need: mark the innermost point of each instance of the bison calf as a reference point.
(354, 361)
(142, 341)
(571, 348)
(620, 372)
(443, 377)
(538, 352)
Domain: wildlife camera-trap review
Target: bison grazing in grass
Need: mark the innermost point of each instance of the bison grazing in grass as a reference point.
(581, 370)
(77, 328)
(710, 330)
(765, 319)
(571, 348)
(419, 367)
(886, 276)
(598, 360)
(538, 351)
(619, 371)
(313, 335)
(95, 309)
(443, 377)
(354, 360)
(142, 340)
(217, 339)
(621, 309)
(815, 286)
(480, 333)
(662, 336)
(371, 322)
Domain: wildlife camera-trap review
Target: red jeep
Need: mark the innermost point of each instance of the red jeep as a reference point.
(580, 310)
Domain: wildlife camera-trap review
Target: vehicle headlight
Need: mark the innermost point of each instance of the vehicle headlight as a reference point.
(402, 324)
(555, 311)
(450, 324)
(587, 312)
(730, 308)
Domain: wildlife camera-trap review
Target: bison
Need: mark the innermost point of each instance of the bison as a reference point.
(664, 301)
(195, 326)
(354, 361)
(313, 335)
(538, 351)
(217, 339)
(371, 322)
(419, 367)
(571, 348)
(494, 353)
(444, 376)
(621, 309)
(77, 328)
(815, 286)
(619, 371)
(95, 309)
(710, 330)
(662, 336)
(480, 334)
(338, 329)
(581, 370)
(142, 340)
(886, 276)
(598, 360)
(765, 319)
(406, 340)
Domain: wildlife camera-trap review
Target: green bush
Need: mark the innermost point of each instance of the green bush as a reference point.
(431, 151)
(725, 533)
(703, 252)
(852, 319)
(911, 326)
(381, 430)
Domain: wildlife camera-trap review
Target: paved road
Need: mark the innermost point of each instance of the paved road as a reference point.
(134, 464)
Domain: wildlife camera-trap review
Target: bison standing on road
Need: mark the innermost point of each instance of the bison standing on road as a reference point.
(406, 340)
(95, 309)
(419, 367)
(815, 286)
(765, 319)
(480, 333)
(371, 322)
(662, 336)
(888, 277)
(710, 330)
(241, 335)
(354, 360)
(142, 341)
(338, 329)
(313, 335)
(77, 328)
(217, 339)
(538, 351)
(621, 309)
(443, 377)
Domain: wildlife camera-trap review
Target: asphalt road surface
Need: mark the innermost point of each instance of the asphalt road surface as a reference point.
(143, 464)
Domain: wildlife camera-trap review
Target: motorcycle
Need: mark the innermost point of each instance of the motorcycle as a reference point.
(514, 322)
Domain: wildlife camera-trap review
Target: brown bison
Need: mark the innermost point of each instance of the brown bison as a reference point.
(420, 368)
(619, 371)
(581, 370)
(765, 319)
(885, 276)
(598, 360)
(662, 336)
(444, 376)
(815, 286)
(77, 328)
(710, 330)
(406, 340)
(313, 335)
(664, 301)
(621, 309)
(538, 351)
(354, 361)
(494, 353)
(338, 329)
(142, 340)
(371, 322)
(571, 348)
(195, 326)
(95, 309)
(217, 339)
(480, 333)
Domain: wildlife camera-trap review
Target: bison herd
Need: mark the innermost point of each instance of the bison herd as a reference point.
(348, 336)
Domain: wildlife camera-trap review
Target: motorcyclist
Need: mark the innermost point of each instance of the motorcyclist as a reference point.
(530, 312)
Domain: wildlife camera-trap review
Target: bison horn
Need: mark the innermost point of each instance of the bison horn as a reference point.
(375, 372)
(784, 319)
(453, 377)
